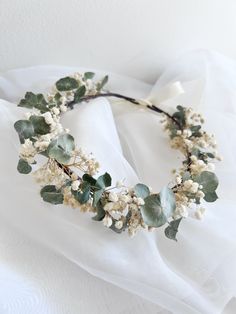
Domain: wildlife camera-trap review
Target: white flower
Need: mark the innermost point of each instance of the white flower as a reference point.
(199, 213)
(107, 221)
(119, 224)
(75, 185)
(200, 194)
(56, 111)
(119, 184)
(28, 115)
(124, 198)
(109, 206)
(74, 176)
(48, 117)
(140, 201)
(113, 197)
(178, 179)
(194, 187)
(210, 167)
(63, 108)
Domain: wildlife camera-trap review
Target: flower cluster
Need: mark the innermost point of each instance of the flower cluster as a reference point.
(200, 150)
(69, 176)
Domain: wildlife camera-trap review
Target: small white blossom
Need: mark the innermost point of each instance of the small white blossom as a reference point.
(119, 224)
(113, 197)
(75, 185)
(107, 221)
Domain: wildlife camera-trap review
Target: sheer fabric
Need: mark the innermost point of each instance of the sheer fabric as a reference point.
(195, 275)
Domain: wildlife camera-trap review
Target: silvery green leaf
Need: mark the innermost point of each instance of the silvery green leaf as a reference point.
(167, 198)
(97, 196)
(80, 92)
(32, 100)
(50, 194)
(102, 83)
(104, 181)
(23, 167)
(158, 208)
(25, 129)
(88, 178)
(61, 148)
(141, 190)
(66, 84)
(39, 124)
(210, 197)
(100, 212)
(82, 197)
(172, 229)
(88, 75)
(208, 180)
(152, 211)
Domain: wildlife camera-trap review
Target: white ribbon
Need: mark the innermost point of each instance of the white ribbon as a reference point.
(166, 93)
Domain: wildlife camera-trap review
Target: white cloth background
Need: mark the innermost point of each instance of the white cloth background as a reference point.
(195, 275)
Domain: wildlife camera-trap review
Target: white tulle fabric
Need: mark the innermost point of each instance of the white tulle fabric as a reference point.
(195, 275)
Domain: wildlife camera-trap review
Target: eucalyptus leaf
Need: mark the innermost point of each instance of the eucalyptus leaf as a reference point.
(100, 212)
(66, 84)
(32, 100)
(25, 129)
(39, 124)
(141, 190)
(50, 194)
(172, 229)
(208, 180)
(82, 197)
(88, 75)
(79, 93)
(97, 196)
(88, 178)
(23, 166)
(104, 181)
(210, 197)
(102, 83)
(167, 198)
(61, 148)
(152, 211)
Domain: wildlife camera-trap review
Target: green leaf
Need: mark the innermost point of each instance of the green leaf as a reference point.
(61, 148)
(25, 129)
(180, 115)
(104, 181)
(208, 180)
(82, 197)
(23, 167)
(66, 84)
(167, 198)
(39, 124)
(210, 197)
(97, 196)
(158, 208)
(88, 178)
(141, 190)
(80, 92)
(32, 100)
(172, 229)
(88, 75)
(152, 211)
(210, 155)
(50, 194)
(101, 84)
(100, 212)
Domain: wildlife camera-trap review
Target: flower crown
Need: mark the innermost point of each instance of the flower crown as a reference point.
(69, 175)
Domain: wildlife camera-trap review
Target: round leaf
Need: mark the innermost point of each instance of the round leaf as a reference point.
(24, 128)
(23, 167)
(66, 84)
(208, 180)
(61, 148)
(141, 190)
(152, 211)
